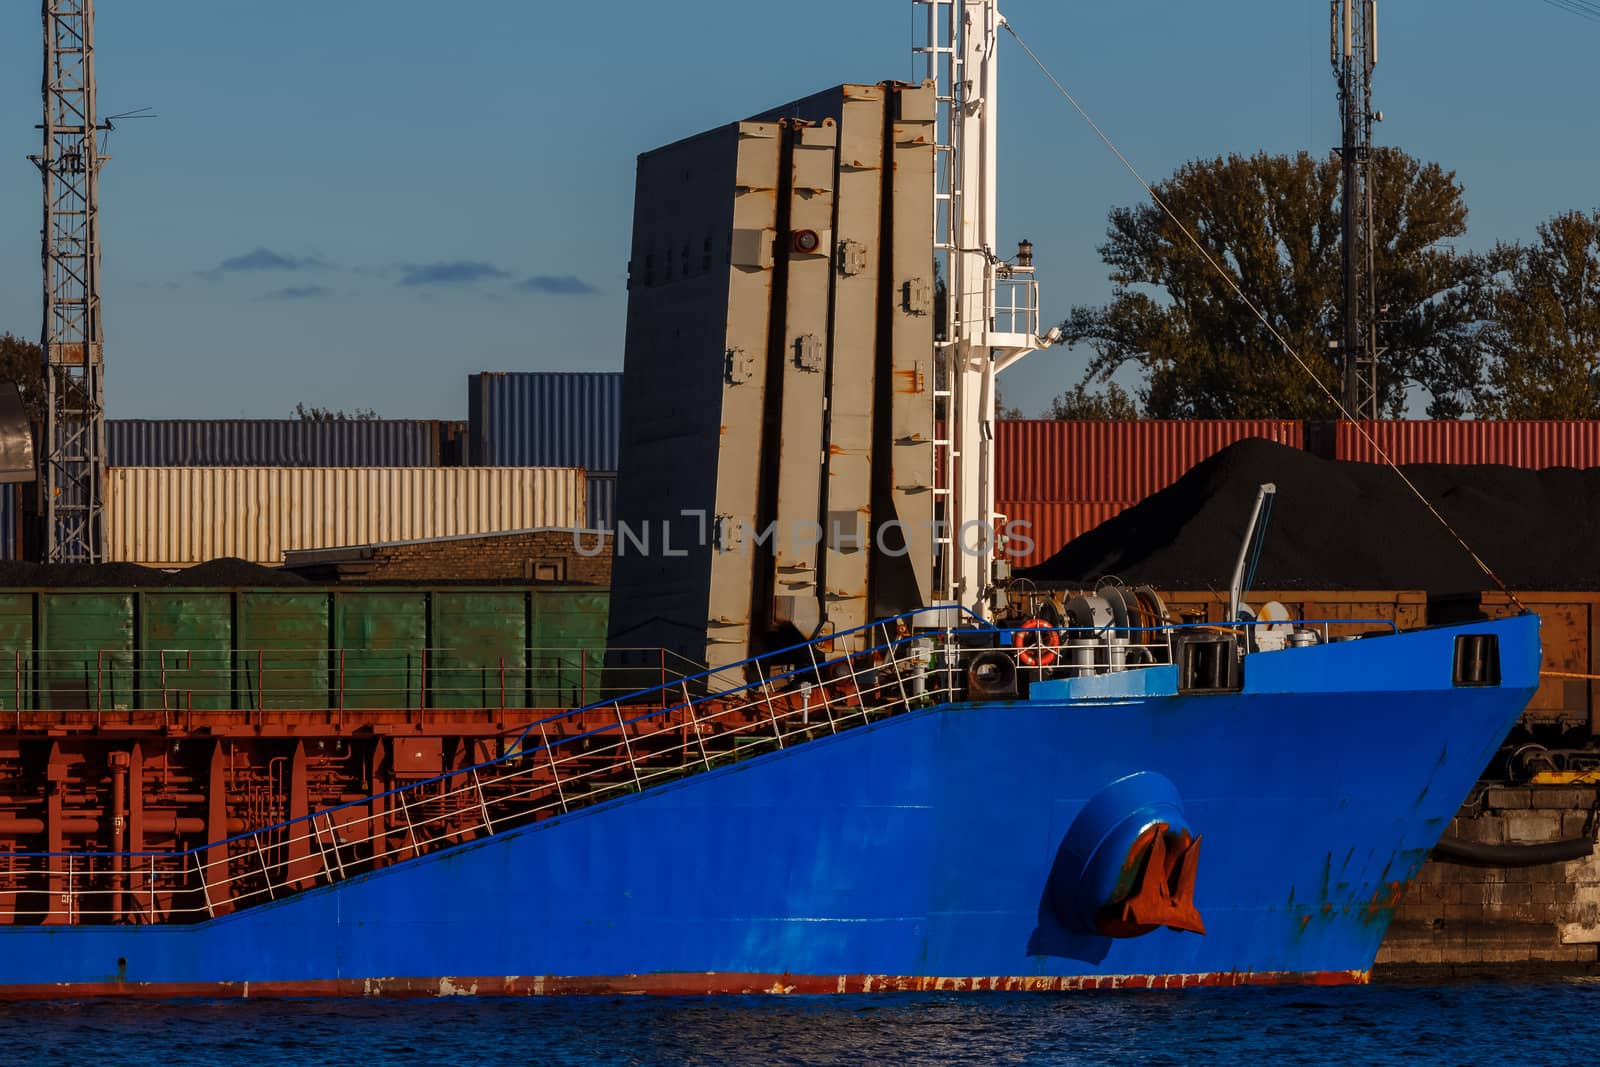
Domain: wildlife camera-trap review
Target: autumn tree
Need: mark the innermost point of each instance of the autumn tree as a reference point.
(1541, 329)
(1273, 223)
(22, 363)
(1110, 401)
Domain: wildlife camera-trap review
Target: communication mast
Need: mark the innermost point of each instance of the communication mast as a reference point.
(74, 433)
(991, 310)
(1354, 53)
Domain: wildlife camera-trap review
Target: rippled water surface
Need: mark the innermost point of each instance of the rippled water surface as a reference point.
(1547, 1022)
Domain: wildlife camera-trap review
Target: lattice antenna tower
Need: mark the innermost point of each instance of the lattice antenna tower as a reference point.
(1354, 53)
(991, 309)
(74, 436)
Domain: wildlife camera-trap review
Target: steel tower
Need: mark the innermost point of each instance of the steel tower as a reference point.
(74, 435)
(1354, 52)
(991, 310)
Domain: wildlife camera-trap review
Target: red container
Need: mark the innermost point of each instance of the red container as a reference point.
(1072, 460)
(1052, 525)
(1534, 445)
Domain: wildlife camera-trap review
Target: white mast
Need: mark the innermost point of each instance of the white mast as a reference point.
(991, 313)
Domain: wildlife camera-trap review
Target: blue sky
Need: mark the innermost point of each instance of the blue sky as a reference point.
(356, 203)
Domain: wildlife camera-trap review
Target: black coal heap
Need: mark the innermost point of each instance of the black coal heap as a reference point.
(1338, 525)
(224, 572)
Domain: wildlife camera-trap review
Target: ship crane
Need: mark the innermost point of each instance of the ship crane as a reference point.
(991, 313)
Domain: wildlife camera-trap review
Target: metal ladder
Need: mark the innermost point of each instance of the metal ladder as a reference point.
(938, 46)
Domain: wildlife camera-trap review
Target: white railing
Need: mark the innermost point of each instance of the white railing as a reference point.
(1016, 305)
(538, 776)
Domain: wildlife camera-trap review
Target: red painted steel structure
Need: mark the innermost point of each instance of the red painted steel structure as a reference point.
(1535, 445)
(1111, 460)
(1050, 525)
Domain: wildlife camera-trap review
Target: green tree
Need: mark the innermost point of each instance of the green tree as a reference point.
(1109, 402)
(1273, 222)
(316, 414)
(22, 363)
(1541, 330)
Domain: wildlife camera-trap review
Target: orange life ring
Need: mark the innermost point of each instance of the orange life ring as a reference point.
(1036, 649)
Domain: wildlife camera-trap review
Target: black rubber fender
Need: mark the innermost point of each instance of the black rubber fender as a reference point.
(1471, 854)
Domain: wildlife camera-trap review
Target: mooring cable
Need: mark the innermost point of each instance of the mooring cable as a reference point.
(1282, 341)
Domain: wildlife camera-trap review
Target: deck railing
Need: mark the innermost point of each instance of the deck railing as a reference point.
(660, 734)
(538, 776)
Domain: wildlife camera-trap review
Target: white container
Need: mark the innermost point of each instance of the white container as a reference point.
(179, 516)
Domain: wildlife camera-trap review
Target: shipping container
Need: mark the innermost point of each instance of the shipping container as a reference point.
(389, 647)
(275, 443)
(1050, 525)
(601, 488)
(1107, 460)
(539, 419)
(1531, 444)
(177, 516)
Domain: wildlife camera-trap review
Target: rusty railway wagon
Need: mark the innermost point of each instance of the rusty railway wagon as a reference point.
(149, 719)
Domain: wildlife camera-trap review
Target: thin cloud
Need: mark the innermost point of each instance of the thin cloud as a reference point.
(559, 284)
(458, 272)
(265, 259)
(297, 292)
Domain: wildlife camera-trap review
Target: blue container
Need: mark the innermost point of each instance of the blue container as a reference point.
(545, 419)
(273, 443)
(602, 503)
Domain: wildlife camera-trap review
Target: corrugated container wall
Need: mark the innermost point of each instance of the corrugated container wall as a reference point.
(1082, 460)
(1050, 525)
(274, 442)
(177, 516)
(601, 487)
(540, 419)
(1518, 444)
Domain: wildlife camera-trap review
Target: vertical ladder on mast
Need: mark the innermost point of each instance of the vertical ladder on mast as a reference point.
(940, 51)
(976, 335)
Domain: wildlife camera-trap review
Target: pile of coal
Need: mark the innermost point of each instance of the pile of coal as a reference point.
(233, 571)
(217, 573)
(1337, 525)
(16, 574)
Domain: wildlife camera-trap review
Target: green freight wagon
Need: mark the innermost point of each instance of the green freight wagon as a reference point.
(346, 647)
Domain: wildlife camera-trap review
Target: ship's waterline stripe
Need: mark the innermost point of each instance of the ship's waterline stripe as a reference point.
(671, 984)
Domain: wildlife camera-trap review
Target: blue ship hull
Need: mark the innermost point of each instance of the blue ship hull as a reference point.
(925, 850)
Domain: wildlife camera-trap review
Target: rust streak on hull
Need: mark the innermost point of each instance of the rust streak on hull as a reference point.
(676, 984)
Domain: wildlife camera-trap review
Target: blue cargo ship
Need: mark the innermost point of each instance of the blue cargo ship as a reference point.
(294, 792)
(1202, 815)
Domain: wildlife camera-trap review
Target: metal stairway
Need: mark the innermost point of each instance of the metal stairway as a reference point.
(563, 763)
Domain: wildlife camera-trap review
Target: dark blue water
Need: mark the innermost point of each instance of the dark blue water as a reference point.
(1548, 1022)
